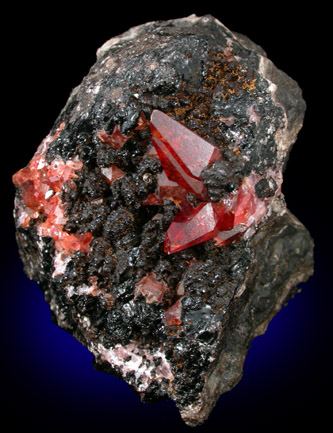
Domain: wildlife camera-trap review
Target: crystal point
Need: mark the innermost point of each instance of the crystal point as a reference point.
(150, 288)
(188, 229)
(172, 315)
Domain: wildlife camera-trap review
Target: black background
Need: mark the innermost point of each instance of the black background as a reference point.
(47, 381)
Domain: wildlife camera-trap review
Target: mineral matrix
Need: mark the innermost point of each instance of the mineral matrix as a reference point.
(166, 261)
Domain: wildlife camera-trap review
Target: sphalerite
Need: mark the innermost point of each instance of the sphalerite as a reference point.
(152, 215)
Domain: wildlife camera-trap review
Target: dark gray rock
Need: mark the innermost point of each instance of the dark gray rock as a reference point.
(221, 86)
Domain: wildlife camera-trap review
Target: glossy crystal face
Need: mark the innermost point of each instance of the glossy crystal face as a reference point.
(184, 155)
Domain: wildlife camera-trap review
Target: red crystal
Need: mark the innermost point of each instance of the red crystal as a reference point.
(32, 197)
(116, 139)
(183, 153)
(172, 316)
(249, 207)
(151, 289)
(225, 214)
(176, 172)
(203, 223)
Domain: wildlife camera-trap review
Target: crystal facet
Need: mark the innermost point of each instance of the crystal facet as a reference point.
(116, 139)
(249, 207)
(172, 315)
(152, 289)
(188, 229)
(112, 173)
(183, 153)
(152, 199)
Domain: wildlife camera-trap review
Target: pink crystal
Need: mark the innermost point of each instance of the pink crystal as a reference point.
(249, 208)
(152, 289)
(40, 184)
(72, 242)
(112, 173)
(172, 316)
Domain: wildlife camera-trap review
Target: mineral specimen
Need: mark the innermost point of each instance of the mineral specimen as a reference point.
(152, 215)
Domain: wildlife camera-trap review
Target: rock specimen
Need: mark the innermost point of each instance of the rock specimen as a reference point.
(152, 215)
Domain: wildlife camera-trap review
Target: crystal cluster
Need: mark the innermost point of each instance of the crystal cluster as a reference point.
(184, 156)
(152, 215)
(40, 184)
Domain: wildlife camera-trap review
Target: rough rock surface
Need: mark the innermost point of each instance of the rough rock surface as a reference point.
(173, 326)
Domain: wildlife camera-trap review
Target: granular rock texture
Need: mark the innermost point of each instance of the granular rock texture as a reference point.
(166, 255)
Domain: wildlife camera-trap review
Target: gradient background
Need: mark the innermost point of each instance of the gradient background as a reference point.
(47, 381)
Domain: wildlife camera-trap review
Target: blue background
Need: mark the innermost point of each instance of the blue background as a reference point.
(47, 380)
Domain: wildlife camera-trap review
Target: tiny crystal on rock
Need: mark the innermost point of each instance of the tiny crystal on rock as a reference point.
(151, 289)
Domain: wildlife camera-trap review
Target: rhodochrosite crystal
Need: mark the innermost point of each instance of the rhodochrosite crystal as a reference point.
(188, 230)
(40, 184)
(183, 154)
(203, 223)
(152, 215)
